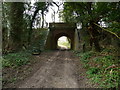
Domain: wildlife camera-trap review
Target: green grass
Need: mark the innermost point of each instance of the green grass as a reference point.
(98, 70)
(16, 59)
(12, 62)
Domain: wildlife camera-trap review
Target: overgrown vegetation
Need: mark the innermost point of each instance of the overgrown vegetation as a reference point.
(39, 38)
(98, 20)
(23, 27)
(102, 68)
(13, 60)
(19, 20)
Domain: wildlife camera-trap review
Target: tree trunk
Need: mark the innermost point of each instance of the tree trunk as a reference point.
(94, 36)
(16, 21)
(4, 31)
(31, 25)
(42, 19)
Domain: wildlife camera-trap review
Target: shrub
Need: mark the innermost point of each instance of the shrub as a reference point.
(16, 59)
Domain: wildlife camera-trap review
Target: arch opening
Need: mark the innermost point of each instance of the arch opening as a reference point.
(64, 43)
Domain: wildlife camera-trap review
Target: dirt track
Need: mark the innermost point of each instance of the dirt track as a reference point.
(59, 69)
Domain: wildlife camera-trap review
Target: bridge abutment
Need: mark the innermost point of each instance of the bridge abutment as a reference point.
(61, 29)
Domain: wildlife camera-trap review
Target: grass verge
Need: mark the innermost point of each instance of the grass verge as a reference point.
(102, 68)
(14, 67)
(16, 59)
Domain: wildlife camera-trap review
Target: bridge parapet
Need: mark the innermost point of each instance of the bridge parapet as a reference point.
(66, 26)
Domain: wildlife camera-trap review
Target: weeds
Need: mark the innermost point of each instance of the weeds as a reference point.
(101, 68)
(13, 62)
(16, 59)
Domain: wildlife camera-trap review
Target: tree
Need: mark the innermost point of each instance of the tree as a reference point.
(16, 23)
(90, 14)
(4, 27)
(40, 6)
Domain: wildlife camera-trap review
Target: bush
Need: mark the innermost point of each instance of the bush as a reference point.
(16, 59)
(101, 72)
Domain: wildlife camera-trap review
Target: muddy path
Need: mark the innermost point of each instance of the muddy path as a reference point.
(59, 69)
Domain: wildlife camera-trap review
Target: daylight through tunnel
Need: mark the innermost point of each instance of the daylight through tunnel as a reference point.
(64, 43)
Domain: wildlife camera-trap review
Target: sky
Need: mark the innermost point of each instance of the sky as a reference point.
(63, 38)
(50, 14)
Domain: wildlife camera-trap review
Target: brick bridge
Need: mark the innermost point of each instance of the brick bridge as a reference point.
(57, 30)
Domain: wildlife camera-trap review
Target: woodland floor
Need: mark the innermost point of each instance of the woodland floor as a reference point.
(51, 69)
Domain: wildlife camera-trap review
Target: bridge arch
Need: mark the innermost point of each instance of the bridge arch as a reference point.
(56, 30)
(64, 42)
(57, 36)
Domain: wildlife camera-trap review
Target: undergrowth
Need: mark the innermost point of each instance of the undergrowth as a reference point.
(102, 68)
(12, 62)
(16, 59)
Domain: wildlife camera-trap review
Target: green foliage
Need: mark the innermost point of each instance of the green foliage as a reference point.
(86, 56)
(111, 79)
(16, 10)
(115, 27)
(43, 37)
(40, 36)
(93, 70)
(90, 14)
(17, 22)
(16, 59)
(99, 68)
